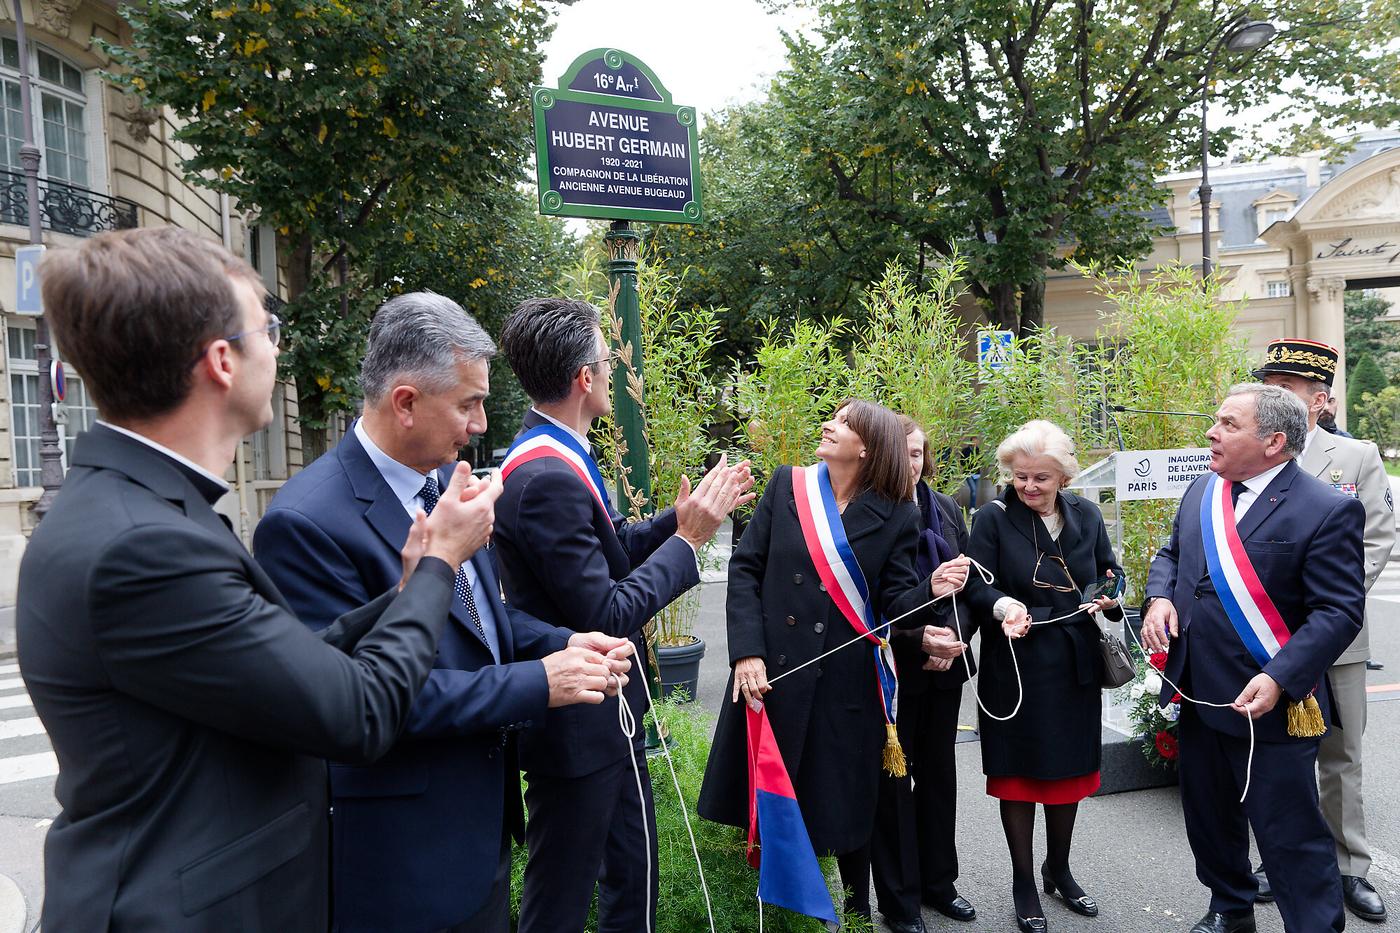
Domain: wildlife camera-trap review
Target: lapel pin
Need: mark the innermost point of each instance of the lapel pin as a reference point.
(1336, 476)
(1273, 498)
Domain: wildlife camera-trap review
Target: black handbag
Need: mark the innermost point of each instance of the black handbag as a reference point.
(1118, 666)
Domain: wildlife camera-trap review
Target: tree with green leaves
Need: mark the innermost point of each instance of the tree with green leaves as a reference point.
(1366, 378)
(1027, 134)
(488, 252)
(336, 122)
(1368, 333)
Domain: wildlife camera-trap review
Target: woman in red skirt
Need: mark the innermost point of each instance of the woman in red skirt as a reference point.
(1043, 546)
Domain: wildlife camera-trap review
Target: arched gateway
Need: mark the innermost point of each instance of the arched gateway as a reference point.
(1346, 235)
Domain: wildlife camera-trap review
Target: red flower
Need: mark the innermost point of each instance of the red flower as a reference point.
(1176, 698)
(1158, 660)
(1166, 745)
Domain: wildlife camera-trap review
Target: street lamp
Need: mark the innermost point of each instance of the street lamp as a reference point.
(1243, 35)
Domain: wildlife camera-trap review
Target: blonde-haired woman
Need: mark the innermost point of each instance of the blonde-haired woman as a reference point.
(1044, 546)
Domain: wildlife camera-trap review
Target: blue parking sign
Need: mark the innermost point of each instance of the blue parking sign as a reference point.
(27, 298)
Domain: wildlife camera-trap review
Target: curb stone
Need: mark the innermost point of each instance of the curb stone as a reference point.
(12, 908)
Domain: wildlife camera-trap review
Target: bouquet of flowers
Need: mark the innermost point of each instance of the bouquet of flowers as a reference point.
(1154, 723)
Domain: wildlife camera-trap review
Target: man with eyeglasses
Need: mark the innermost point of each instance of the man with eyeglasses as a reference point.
(568, 557)
(189, 709)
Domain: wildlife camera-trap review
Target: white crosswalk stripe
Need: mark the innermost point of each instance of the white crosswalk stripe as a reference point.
(9, 668)
(22, 756)
(28, 767)
(15, 701)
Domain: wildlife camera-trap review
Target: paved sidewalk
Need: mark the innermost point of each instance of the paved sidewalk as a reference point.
(12, 908)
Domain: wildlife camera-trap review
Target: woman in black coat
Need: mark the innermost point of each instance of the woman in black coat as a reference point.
(1044, 546)
(913, 852)
(827, 717)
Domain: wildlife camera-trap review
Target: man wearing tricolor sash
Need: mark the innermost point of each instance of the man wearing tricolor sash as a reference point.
(569, 558)
(1256, 594)
(1354, 468)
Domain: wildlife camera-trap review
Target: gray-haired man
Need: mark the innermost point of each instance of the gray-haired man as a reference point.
(421, 838)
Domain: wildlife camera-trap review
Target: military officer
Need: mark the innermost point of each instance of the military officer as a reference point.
(1354, 468)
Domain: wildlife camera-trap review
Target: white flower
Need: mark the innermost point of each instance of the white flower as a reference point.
(1137, 691)
(1171, 712)
(1152, 683)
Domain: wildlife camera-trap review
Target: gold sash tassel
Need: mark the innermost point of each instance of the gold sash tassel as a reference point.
(894, 754)
(1305, 719)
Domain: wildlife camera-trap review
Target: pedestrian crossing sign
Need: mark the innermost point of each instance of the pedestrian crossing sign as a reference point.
(993, 350)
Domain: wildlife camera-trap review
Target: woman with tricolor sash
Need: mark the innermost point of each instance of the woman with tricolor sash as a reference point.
(1041, 708)
(827, 558)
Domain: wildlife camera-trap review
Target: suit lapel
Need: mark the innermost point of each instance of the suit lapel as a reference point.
(489, 592)
(1264, 504)
(385, 513)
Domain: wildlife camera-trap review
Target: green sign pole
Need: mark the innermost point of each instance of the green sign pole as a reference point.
(624, 250)
(611, 144)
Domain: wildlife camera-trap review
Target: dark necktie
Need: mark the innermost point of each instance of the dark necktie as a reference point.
(430, 495)
(1236, 490)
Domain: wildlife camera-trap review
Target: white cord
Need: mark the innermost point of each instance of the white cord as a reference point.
(628, 724)
(847, 644)
(1249, 762)
(988, 578)
(685, 811)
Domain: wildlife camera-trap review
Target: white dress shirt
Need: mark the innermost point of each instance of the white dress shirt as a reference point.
(1254, 487)
(184, 461)
(406, 483)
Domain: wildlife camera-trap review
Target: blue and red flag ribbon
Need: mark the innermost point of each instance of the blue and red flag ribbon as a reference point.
(778, 844)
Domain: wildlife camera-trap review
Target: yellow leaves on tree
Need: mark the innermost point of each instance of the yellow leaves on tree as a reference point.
(209, 98)
(390, 130)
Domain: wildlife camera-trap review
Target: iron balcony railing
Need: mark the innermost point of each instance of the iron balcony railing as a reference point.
(64, 208)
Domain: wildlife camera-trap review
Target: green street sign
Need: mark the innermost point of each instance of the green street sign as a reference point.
(609, 143)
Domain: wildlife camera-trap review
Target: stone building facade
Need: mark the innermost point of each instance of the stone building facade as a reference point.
(107, 163)
(1290, 235)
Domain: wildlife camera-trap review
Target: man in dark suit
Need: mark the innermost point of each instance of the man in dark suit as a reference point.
(1304, 541)
(570, 559)
(422, 836)
(188, 708)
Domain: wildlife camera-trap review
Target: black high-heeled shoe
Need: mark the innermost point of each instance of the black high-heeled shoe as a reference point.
(1031, 924)
(1084, 905)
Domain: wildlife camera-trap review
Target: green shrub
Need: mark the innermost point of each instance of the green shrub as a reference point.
(1366, 379)
(1167, 343)
(911, 356)
(1377, 418)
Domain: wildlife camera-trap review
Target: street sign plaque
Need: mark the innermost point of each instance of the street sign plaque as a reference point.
(609, 143)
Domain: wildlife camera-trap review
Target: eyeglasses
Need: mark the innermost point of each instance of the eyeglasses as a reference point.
(1055, 561)
(612, 359)
(273, 329)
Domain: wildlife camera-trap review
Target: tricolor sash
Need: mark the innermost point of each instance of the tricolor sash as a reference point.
(548, 440)
(840, 573)
(1251, 612)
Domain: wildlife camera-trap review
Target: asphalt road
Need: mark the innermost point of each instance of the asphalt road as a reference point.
(1130, 849)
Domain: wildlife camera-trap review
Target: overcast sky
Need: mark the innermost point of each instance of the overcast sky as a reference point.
(708, 55)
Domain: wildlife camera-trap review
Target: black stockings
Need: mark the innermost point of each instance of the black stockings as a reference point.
(1018, 822)
(1059, 833)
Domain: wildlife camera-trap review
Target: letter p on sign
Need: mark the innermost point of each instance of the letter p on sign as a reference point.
(27, 299)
